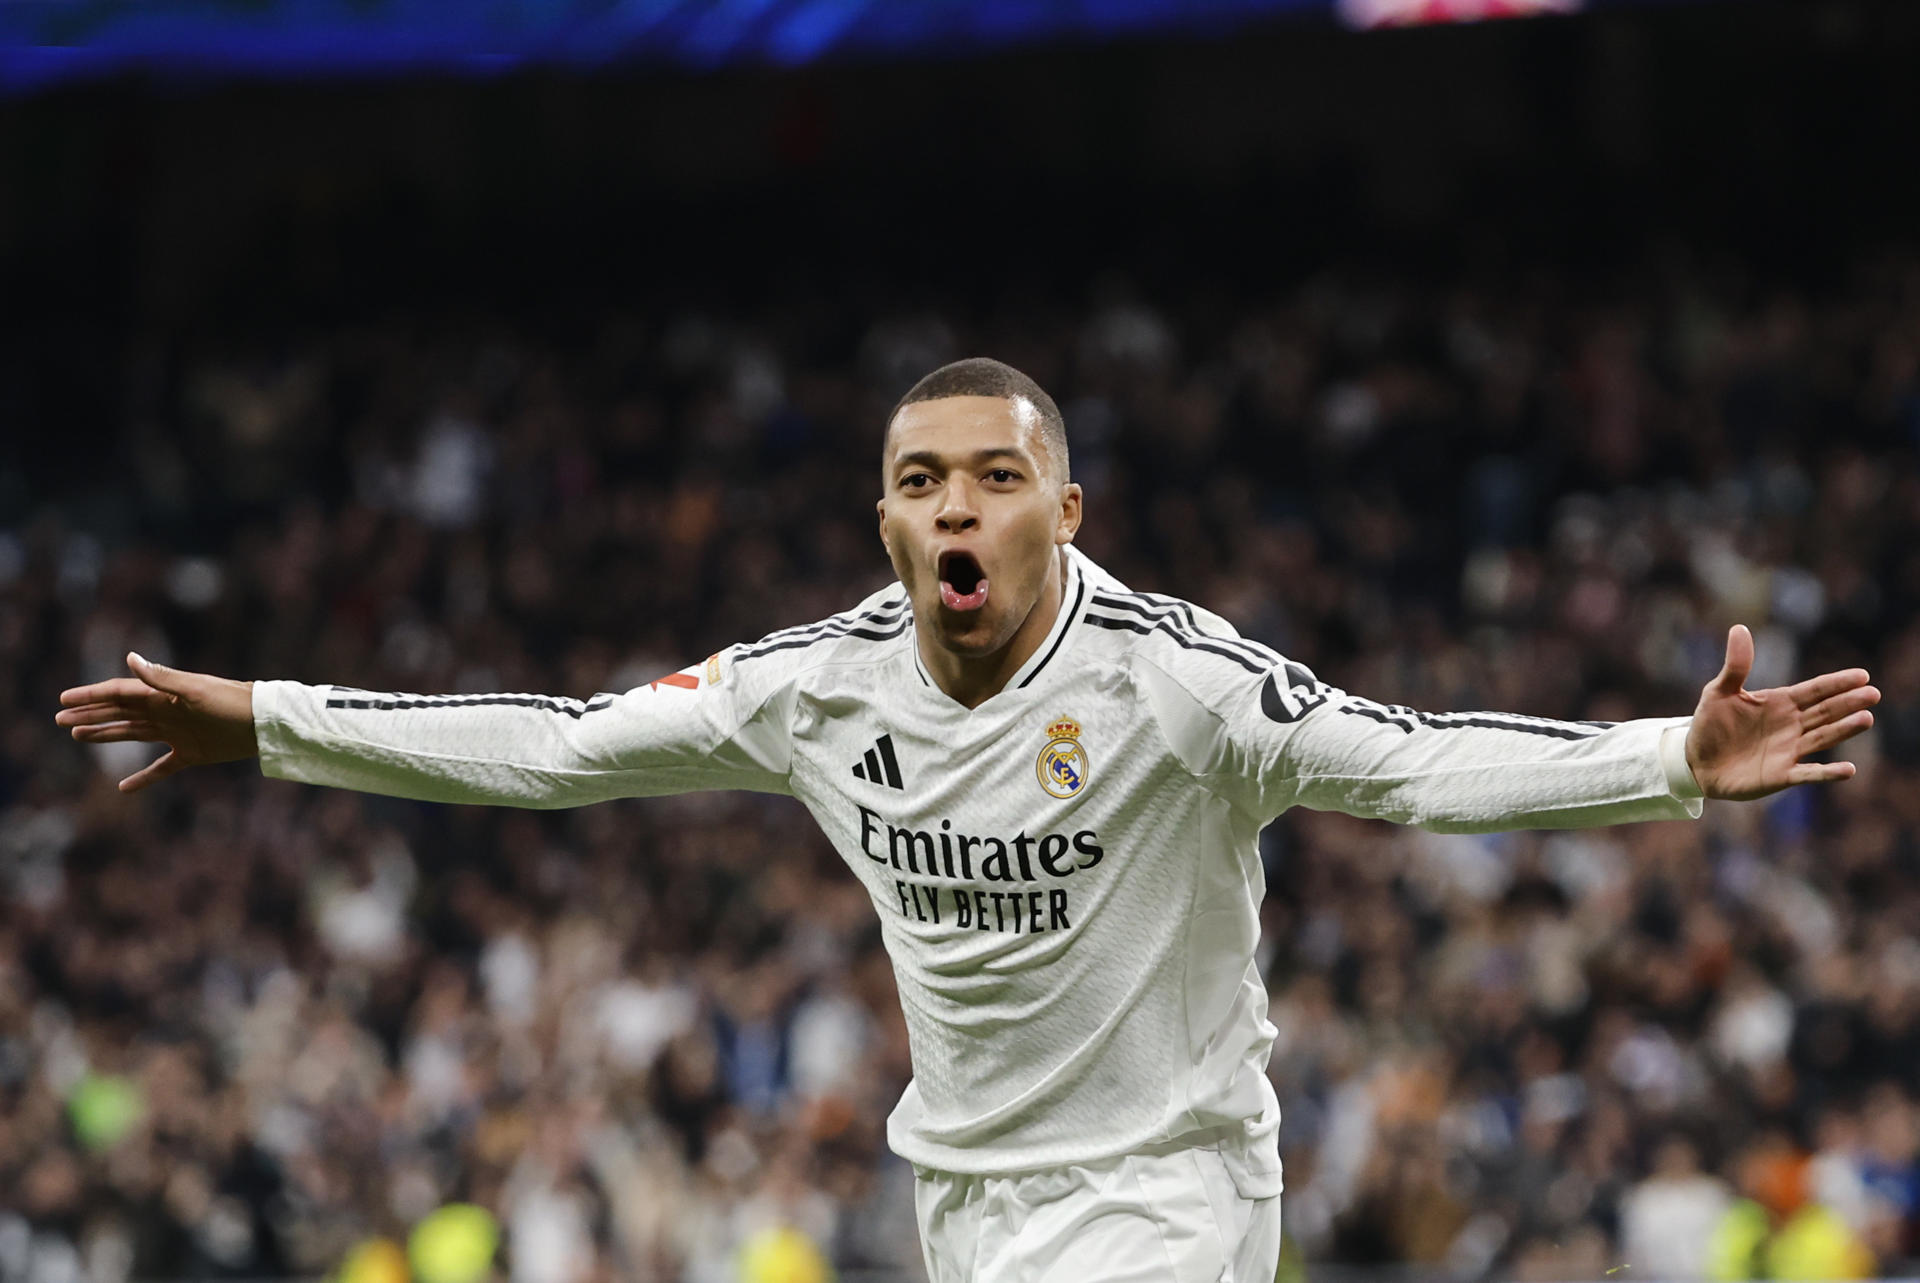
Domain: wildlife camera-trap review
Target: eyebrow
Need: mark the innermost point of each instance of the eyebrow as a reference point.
(934, 459)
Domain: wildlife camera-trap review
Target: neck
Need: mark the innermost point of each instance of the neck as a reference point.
(971, 680)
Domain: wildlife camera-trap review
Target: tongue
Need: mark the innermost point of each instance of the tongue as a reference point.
(953, 599)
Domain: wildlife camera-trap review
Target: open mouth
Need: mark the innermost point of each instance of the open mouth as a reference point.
(963, 584)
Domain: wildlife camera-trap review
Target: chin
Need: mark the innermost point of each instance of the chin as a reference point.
(972, 638)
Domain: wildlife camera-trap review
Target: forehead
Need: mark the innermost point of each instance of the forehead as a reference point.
(965, 424)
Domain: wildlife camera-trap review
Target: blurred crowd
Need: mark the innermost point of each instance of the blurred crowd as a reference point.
(249, 1029)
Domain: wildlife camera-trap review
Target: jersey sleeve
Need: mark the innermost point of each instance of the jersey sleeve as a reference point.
(708, 726)
(1269, 735)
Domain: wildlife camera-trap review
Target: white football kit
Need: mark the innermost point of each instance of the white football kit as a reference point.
(1067, 877)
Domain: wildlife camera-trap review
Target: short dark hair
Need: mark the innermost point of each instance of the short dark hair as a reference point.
(984, 376)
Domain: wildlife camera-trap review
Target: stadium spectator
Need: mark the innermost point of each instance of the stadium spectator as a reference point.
(1667, 1220)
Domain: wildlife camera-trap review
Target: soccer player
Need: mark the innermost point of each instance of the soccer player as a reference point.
(1051, 786)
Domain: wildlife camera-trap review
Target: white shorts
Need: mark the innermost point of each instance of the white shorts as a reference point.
(1160, 1216)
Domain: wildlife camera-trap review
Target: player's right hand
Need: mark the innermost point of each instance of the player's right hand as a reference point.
(200, 718)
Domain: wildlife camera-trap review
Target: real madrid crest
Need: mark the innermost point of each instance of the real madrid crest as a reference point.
(1062, 765)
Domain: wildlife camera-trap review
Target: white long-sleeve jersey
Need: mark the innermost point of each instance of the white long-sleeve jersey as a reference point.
(1067, 875)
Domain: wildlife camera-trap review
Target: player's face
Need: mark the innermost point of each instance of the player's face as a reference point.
(971, 515)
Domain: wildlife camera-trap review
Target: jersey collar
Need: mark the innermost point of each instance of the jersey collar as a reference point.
(1073, 600)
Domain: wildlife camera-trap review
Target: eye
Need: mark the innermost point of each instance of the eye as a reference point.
(915, 481)
(1004, 476)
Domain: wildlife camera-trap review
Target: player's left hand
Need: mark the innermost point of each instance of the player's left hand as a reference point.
(1746, 744)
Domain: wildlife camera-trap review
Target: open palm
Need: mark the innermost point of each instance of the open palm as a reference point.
(1746, 744)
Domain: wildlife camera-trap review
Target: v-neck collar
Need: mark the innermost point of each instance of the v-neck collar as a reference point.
(1073, 599)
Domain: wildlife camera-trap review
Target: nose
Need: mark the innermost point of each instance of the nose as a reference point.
(958, 511)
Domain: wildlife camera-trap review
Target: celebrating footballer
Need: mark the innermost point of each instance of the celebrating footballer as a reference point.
(1051, 786)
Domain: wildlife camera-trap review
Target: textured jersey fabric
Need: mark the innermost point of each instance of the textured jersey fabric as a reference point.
(1066, 876)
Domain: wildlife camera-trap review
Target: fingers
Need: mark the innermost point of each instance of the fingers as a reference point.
(1825, 737)
(114, 690)
(119, 733)
(1820, 772)
(164, 765)
(158, 676)
(150, 677)
(1824, 687)
(99, 730)
(1733, 674)
(1835, 707)
(96, 714)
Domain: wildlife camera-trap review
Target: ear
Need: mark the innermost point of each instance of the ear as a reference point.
(1070, 512)
(880, 508)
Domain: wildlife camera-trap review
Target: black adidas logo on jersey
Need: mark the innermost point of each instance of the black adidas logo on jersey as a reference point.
(880, 766)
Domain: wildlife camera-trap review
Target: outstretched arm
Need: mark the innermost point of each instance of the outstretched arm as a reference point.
(1491, 771)
(686, 731)
(1284, 738)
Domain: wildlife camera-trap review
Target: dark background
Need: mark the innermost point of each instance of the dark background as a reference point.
(1775, 131)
